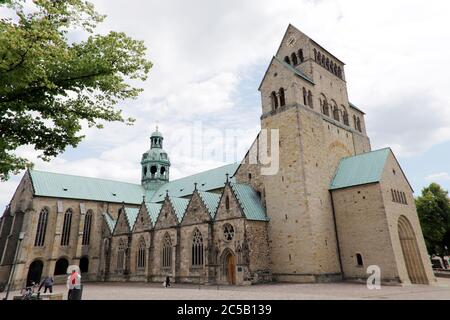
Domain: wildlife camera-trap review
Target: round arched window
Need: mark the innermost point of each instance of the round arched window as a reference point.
(228, 232)
(153, 169)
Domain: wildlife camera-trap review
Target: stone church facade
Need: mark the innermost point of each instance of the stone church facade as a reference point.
(333, 208)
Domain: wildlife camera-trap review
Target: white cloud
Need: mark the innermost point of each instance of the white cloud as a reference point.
(441, 176)
(204, 52)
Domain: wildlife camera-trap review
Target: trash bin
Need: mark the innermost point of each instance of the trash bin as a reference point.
(75, 294)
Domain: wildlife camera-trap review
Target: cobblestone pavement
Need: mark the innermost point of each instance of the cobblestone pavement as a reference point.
(328, 291)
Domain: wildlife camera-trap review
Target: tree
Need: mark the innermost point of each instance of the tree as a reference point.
(50, 86)
(433, 208)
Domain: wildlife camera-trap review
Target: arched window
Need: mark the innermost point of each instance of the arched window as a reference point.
(359, 260)
(227, 203)
(197, 249)
(336, 113)
(286, 59)
(167, 251)
(328, 64)
(300, 55)
(141, 254)
(41, 228)
(145, 171)
(393, 195)
(358, 124)
(345, 115)
(87, 228)
(305, 97)
(121, 256)
(323, 61)
(153, 170)
(273, 97)
(282, 98)
(324, 105)
(65, 235)
(310, 99)
(315, 55)
(319, 57)
(61, 266)
(163, 171)
(339, 72)
(294, 59)
(355, 122)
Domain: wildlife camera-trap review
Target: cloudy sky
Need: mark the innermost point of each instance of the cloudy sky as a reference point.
(209, 57)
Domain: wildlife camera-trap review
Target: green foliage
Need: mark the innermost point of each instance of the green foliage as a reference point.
(433, 207)
(50, 86)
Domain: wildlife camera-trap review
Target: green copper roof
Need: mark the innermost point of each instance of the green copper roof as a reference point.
(360, 169)
(206, 181)
(296, 71)
(109, 221)
(153, 210)
(180, 206)
(131, 215)
(250, 202)
(75, 187)
(211, 201)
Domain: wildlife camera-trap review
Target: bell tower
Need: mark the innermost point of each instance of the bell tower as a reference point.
(155, 163)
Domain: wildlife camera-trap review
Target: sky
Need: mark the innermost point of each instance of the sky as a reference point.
(210, 56)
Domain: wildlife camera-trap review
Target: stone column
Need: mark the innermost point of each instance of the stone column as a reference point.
(56, 241)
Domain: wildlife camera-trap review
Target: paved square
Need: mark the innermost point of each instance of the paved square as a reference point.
(326, 291)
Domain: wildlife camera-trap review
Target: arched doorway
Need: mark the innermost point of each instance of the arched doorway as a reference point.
(229, 266)
(84, 265)
(411, 253)
(61, 266)
(35, 272)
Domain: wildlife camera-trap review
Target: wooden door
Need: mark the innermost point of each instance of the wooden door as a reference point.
(231, 269)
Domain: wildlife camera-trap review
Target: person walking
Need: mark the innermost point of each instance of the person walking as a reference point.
(167, 283)
(74, 286)
(47, 283)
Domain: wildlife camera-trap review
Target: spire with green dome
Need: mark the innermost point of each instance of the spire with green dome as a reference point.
(155, 163)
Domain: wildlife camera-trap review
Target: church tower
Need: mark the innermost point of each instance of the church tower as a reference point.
(155, 163)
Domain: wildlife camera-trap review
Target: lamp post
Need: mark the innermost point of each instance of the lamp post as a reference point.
(11, 275)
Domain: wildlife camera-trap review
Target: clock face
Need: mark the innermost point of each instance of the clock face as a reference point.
(291, 41)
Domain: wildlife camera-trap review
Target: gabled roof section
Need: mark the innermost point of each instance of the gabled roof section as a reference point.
(250, 202)
(211, 201)
(111, 223)
(153, 210)
(59, 185)
(131, 215)
(206, 181)
(355, 107)
(180, 206)
(360, 169)
(289, 67)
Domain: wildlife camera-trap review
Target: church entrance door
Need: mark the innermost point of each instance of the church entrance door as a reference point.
(35, 272)
(231, 269)
(411, 253)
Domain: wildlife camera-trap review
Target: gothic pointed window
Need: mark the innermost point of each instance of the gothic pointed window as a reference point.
(310, 99)
(166, 251)
(300, 55)
(287, 60)
(274, 99)
(87, 228)
(282, 97)
(121, 256)
(41, 228)
(305, 97)
(65, 235)
(294, 59)
(141, 254)
(197, 249)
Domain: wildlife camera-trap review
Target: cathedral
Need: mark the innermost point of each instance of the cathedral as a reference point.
(333, 208)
